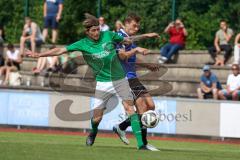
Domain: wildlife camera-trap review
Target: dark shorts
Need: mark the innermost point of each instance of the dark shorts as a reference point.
(207, 95)
(50, 22)
(38, 42)
(137, 88)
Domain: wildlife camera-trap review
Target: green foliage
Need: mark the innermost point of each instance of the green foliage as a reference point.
(201, 17)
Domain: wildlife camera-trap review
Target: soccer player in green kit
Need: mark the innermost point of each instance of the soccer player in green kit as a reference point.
(100, 54)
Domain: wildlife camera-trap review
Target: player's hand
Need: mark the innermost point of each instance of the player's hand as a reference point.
(144, 51)
(127, 41)
(153, 67)
(31, 54)
(153, 35)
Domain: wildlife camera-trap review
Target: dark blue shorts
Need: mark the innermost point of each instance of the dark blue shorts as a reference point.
(50, 22)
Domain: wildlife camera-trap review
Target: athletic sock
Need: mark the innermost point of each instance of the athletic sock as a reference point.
(144, 132)
(94, 127)
(125, 124)
(135, 123)
(144, 136)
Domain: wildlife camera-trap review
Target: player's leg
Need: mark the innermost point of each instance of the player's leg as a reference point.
(123, 90)
(102, 95)
(95, 120)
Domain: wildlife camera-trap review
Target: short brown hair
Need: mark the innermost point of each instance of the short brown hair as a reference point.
(132, 17)
(10, 46)
(90, 21)
(235, 66)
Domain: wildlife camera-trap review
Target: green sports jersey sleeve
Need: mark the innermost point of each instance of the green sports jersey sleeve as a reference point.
(77, 46)
(115, 37)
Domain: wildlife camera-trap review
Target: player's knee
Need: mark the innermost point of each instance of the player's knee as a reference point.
(97, 119)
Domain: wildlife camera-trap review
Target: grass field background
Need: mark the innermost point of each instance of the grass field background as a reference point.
(30, 146)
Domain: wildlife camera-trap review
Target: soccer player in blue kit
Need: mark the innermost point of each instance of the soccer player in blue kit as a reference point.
(127, 54)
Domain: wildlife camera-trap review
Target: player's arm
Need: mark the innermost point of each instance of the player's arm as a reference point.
(52, 52)
(144, 36)
(124, 55)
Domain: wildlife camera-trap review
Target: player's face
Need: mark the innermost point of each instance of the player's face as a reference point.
(93, 32)
(132, 28)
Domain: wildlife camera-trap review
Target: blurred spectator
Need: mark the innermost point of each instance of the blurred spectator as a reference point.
(31, 33)
(177, 33)
(233, 85)
(118, 26)
(67, 64)
(237, 50)
(52, 12)
(103, 26)
(1, 45)
(46, 63)
(221, 43)
(209, 84)
(12, 63)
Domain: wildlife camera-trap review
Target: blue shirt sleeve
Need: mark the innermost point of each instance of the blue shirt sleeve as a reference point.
(213, 78)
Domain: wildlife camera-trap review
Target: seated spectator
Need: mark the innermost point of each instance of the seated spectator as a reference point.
(103, 26)
(221, 43)
(67, 64)
(32, 34)
(237, 50)
(1, 45)
(177, 33)
(12, 63)
(118, 26)
(209, 84)
(46, 63)
(233, 85)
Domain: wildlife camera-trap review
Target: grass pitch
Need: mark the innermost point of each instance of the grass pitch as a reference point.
(29, 146)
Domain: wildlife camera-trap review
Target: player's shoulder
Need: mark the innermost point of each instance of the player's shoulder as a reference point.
(122, 33)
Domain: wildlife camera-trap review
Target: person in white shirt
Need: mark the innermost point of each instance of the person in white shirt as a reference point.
(12, 63)
(103, 26)
(237, 50)
(233, 85)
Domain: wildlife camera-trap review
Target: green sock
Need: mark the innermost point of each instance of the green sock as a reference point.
(135, 123)
(94, 127)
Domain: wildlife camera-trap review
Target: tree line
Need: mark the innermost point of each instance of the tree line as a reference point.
(201, 18)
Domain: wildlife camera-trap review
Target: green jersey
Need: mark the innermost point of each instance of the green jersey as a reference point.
(101, 56)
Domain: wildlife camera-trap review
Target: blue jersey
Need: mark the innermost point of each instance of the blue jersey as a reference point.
(208, 81)
(128, 65)
(52, 7)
